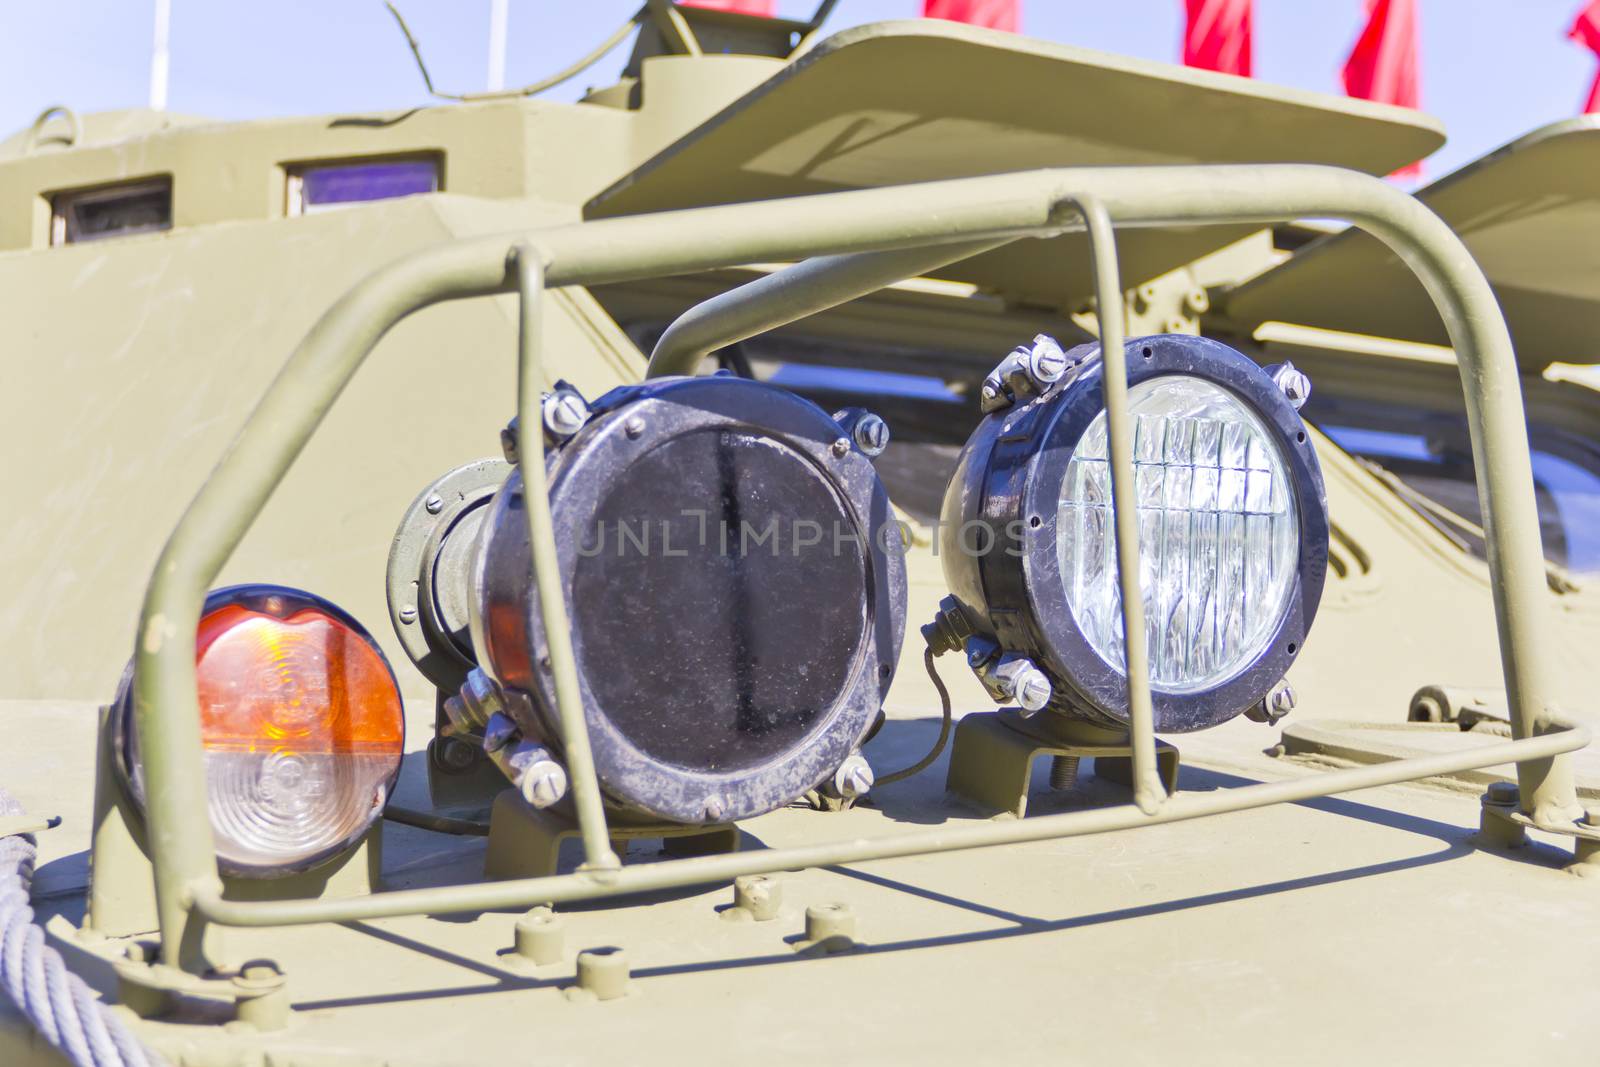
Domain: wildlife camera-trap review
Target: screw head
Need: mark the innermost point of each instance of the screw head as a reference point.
(564, 413)
(408, 615)
(1032, 689)
(1292, 382)
(434, 504)
(1046, 360)
(854, 777)
(871, 434)
(544, 783)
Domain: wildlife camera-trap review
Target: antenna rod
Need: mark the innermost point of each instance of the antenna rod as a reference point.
(158, 56)
(497, 44)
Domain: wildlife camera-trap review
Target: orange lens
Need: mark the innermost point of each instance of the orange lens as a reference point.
(305, 683)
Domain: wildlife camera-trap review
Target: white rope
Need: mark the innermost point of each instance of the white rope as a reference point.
(63, 1008)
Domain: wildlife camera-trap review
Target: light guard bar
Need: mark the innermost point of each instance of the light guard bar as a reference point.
(845, 224)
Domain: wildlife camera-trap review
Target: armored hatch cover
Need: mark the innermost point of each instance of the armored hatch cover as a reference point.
(1530, 214)
(885, 103)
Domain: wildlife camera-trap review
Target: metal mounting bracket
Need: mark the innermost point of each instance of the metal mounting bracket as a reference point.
(991, 762)
(525, 842)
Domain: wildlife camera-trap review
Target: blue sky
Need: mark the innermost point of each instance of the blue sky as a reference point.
(1491, 69)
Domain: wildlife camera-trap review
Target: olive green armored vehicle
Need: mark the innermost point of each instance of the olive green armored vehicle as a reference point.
(912, 545)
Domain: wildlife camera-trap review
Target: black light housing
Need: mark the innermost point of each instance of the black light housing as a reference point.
(736, 591)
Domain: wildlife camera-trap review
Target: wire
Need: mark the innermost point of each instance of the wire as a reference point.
(616, 37)
(944, 727)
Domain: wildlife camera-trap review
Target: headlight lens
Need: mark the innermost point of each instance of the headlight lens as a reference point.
(302, 725)
(1218, 535)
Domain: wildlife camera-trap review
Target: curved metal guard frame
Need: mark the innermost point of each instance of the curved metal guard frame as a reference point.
(1033, 204)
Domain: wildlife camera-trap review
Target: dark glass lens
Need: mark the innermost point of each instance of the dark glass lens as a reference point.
(357, 182)
(719, 600)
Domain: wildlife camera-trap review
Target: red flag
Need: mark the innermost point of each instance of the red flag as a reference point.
(995, 14)
(1218, 36)
(1383, 64)
(1586, 31)
(743, 7)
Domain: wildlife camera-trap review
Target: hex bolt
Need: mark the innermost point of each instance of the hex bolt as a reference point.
(539, 936)
(1591, 816)
(434, 503)
(759, 894)
(871, 434)
(564, 413)
(832, 926)
(1292, 382)
(262, 996)
(604, 973)
(854, 777)
(1503, 794)
(1046, 361)
(841, 447)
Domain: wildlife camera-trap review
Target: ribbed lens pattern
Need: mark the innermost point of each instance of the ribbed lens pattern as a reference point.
(1218, 534)
(272, 808)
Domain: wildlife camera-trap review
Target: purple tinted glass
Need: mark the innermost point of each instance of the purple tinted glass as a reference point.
(354, 182)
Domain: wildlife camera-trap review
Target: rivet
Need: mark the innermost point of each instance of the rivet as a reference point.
(633, 427)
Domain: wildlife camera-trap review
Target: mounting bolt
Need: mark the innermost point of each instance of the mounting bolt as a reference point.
(543, 783)
(759, 895)
(871, 434)
(1063, 772)
(1046, 360)
(853, 778)
(508, 441)
(1292, 382)
(603, 973)
(564, 413)
(408, 615)
(1197, 301)
(715, 809)
(830, 927)
(261, 996)
(538, 937)
(1502, 794)
(841, 447)
(434, 504)
(1591, 816)
(633, 427)
(1278, 703)
(1032, 689)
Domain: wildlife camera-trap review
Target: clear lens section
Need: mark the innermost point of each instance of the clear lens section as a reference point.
(1219, 539)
